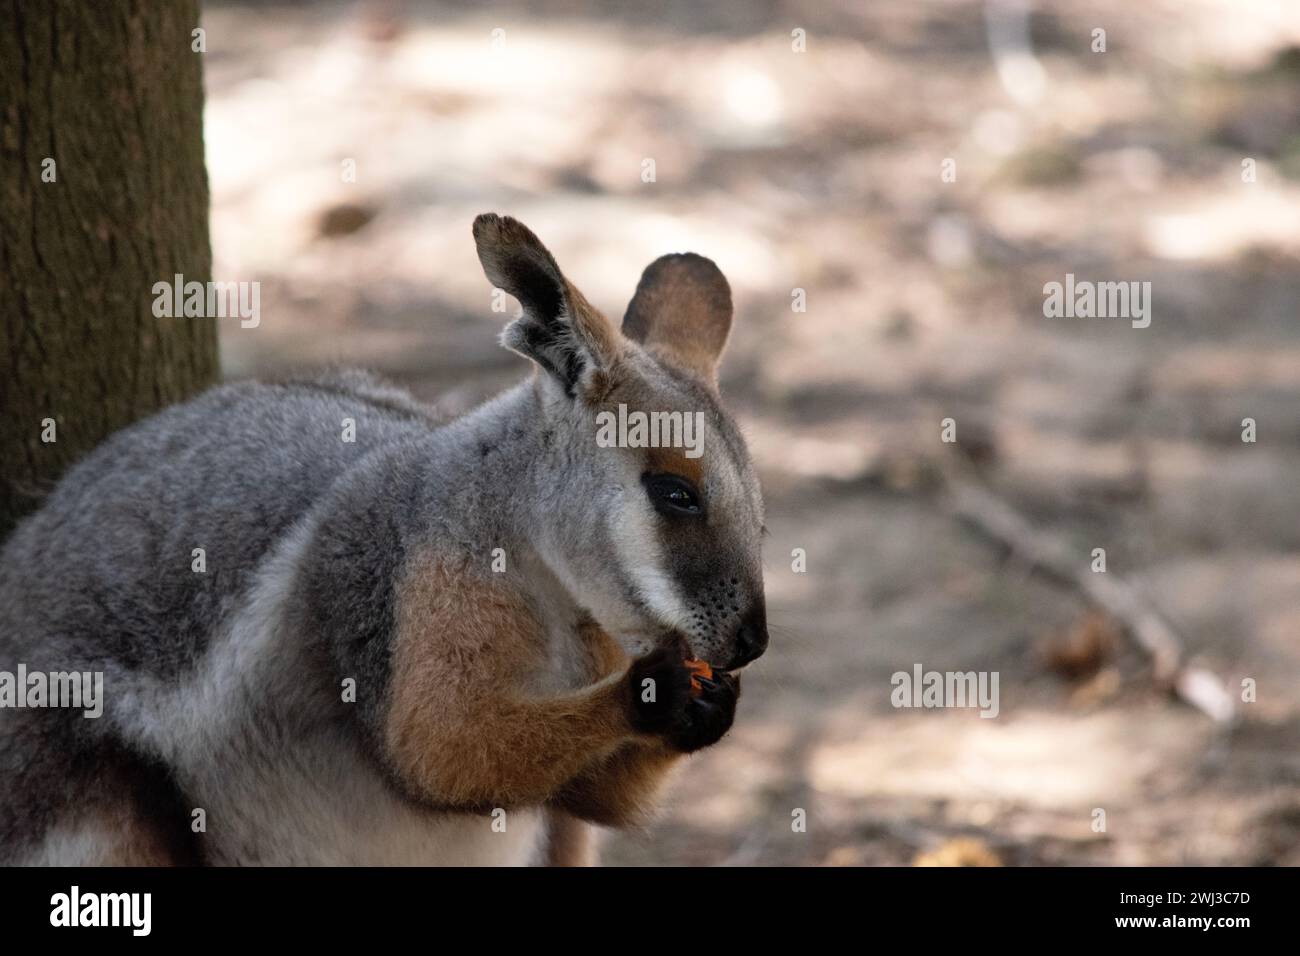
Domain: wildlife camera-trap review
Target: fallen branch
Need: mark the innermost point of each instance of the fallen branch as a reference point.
(1046, 553)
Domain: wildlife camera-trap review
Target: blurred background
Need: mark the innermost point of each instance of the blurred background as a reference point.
(822, 171)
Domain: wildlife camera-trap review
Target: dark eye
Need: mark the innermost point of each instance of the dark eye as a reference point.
(672, 495)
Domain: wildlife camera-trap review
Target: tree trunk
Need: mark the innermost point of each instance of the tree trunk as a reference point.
(111, 92)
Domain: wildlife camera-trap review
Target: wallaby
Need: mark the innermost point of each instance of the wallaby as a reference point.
(334, 630)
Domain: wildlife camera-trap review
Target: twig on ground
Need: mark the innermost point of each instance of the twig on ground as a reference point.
(975, 505)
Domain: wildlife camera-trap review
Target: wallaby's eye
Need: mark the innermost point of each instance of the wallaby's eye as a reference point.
(672, 495)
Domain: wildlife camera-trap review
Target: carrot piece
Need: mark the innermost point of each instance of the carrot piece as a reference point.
(698, 669)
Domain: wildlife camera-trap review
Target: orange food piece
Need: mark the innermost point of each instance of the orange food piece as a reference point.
(698, 669)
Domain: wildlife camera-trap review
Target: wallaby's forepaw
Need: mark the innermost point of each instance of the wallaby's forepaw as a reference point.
(708, 714)
(660, 687)
(664, 703)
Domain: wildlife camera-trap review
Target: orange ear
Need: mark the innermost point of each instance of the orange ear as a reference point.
(682, 313)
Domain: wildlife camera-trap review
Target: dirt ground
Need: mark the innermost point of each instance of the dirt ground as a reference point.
(822, 171)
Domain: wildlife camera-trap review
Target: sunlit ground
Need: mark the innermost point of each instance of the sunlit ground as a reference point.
(820, 171)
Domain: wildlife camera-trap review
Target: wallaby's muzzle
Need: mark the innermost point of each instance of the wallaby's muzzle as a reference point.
(751, 637)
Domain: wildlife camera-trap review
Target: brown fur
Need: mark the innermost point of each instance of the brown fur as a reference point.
(681, 312)
(593, 327)
(133, 841)
(673, 461)
(464, 729)
(662, 460)
(604, 655)
(119, 827)
(617, 790)
(464, 725)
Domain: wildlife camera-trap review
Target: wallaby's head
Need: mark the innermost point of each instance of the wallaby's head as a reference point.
(646, 503)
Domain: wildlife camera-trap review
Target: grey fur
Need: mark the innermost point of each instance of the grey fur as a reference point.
(223, 688)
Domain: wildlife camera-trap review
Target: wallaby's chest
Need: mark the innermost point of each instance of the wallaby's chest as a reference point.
(325, 805)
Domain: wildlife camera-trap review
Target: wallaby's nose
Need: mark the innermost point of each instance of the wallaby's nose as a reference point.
(751, 639)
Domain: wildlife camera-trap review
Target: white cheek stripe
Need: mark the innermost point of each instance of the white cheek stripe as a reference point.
(642, 561)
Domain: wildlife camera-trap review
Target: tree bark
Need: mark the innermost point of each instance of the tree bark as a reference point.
(112, 92)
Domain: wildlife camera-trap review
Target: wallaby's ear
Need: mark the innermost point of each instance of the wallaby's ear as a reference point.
(682, 312)
(559, 329)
